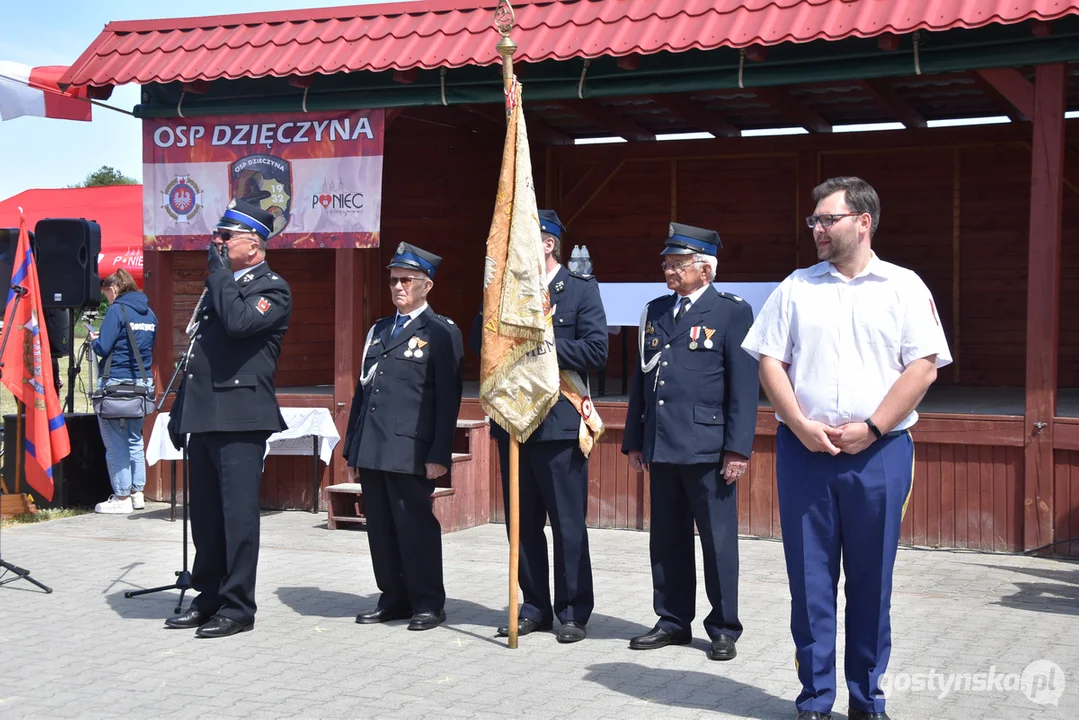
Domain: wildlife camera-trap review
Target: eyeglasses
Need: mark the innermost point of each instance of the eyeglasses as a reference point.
(677, 267)
(227, 235)
(827, 221)
(406, 282)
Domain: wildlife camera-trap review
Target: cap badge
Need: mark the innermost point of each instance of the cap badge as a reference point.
(670, 231)
(401, 249)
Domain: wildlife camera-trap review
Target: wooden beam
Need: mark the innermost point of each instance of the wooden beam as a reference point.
(587, 188)
(889, 42)
(885, 96)
(391, 115)
(538, 130)
(1043, 301)
(782, 101)
(629, 62)
(1001, 102)
(406, 77)
(607, 119)
(349, 333)
(696, 114)
(1013, 87)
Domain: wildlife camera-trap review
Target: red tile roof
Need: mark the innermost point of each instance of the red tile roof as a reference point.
(447, 33)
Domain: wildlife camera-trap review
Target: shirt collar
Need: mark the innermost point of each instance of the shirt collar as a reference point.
(875, 266)
(415, 313)
(551, 274)
(240, 273)
(695, 295)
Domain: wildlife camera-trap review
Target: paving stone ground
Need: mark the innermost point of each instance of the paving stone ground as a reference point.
(85, 651)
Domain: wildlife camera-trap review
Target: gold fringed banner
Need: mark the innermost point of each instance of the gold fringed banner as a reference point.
(519, 380)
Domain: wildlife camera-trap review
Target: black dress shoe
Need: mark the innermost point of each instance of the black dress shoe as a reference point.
(222, 627)
(814, 715)
(427, 620)
(192, 618)
(571, 632)
(525, 626)
(854, 714)
(722, 648)
(657, 638)
(379, 615)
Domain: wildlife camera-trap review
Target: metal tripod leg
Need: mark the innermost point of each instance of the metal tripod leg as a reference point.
(20, 574)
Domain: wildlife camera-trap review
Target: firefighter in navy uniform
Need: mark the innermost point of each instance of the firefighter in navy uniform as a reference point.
(227, 404)
(691, 420)
(400, 440)
(553, 474)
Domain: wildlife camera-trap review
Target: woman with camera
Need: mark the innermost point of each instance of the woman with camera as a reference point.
(125, 388)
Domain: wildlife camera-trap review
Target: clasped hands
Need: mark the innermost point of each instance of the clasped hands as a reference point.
(851, 438)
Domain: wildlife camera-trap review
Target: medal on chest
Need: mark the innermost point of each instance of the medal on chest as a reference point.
(694, 335)
(708, 333)
(415, 347)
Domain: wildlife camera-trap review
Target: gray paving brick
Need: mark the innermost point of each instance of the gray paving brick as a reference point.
(86, 651)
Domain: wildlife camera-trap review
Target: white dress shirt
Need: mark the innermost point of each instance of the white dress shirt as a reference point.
(848, 341)
(693, 298)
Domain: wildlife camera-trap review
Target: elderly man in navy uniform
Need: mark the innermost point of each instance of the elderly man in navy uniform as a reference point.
(553, 471)
(227, 404)
(400, 440)
(691, 419)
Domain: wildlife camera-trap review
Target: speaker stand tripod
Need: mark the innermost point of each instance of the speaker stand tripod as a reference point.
(183, 576)
(7, 568)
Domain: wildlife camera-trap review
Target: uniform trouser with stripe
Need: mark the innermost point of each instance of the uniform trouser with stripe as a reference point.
(225, 472)
(849, 508)
(405, 539)
(553, 482)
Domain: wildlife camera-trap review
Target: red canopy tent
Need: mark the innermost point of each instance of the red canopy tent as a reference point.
(116, 208)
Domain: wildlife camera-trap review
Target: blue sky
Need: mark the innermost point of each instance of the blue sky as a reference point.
(44, 153)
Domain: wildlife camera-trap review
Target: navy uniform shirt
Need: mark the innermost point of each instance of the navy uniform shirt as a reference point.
(229, 385)
(580, 331)
(704, 401)
(406, 414)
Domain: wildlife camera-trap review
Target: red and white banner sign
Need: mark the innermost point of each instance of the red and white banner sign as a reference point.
(319, 174)
(35, 91)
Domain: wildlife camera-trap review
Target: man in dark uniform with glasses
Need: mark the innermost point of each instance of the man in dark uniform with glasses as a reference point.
(400, 440)
(691, 420)
(227, 406)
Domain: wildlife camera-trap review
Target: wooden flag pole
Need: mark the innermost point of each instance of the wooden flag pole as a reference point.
(504, 21)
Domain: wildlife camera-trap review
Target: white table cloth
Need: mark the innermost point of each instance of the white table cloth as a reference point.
(303, 423)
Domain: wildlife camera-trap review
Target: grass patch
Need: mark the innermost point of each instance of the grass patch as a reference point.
(43, 516)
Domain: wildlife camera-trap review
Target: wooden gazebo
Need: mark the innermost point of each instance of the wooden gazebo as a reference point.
(982, 212)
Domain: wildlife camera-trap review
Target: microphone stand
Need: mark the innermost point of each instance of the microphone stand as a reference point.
(6, 567)
(183, 577)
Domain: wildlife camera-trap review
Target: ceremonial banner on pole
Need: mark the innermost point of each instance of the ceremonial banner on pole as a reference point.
(519, 380)
(27, 371)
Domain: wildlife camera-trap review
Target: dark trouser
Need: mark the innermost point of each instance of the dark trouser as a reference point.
(680, 495)
(226, 469)
(405, 539)
(849, 507)
(553, 482)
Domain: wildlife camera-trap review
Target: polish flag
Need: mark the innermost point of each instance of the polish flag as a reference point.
(35, 91)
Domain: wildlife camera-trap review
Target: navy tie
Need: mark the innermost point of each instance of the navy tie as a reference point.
(683, 305)
(398, 324)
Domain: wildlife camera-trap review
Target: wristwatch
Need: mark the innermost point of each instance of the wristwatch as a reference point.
(874, 428)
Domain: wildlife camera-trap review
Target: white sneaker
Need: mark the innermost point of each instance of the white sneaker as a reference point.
(137, 501)
(112, 506)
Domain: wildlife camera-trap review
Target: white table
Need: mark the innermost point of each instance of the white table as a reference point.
(310, 431)
(623, 303)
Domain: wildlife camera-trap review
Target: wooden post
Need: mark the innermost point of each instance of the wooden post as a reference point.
(350, 278)
(504, 20)
(1043, 302)
(158, 285)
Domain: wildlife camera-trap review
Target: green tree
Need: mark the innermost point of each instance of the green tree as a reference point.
(106, 175)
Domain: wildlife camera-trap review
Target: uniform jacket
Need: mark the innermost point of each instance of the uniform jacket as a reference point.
(580, 332)
(229, 383)
(705, 400)
(406, 415)
(114, 340)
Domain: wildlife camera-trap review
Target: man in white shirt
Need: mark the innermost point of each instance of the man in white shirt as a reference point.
(847, 350)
